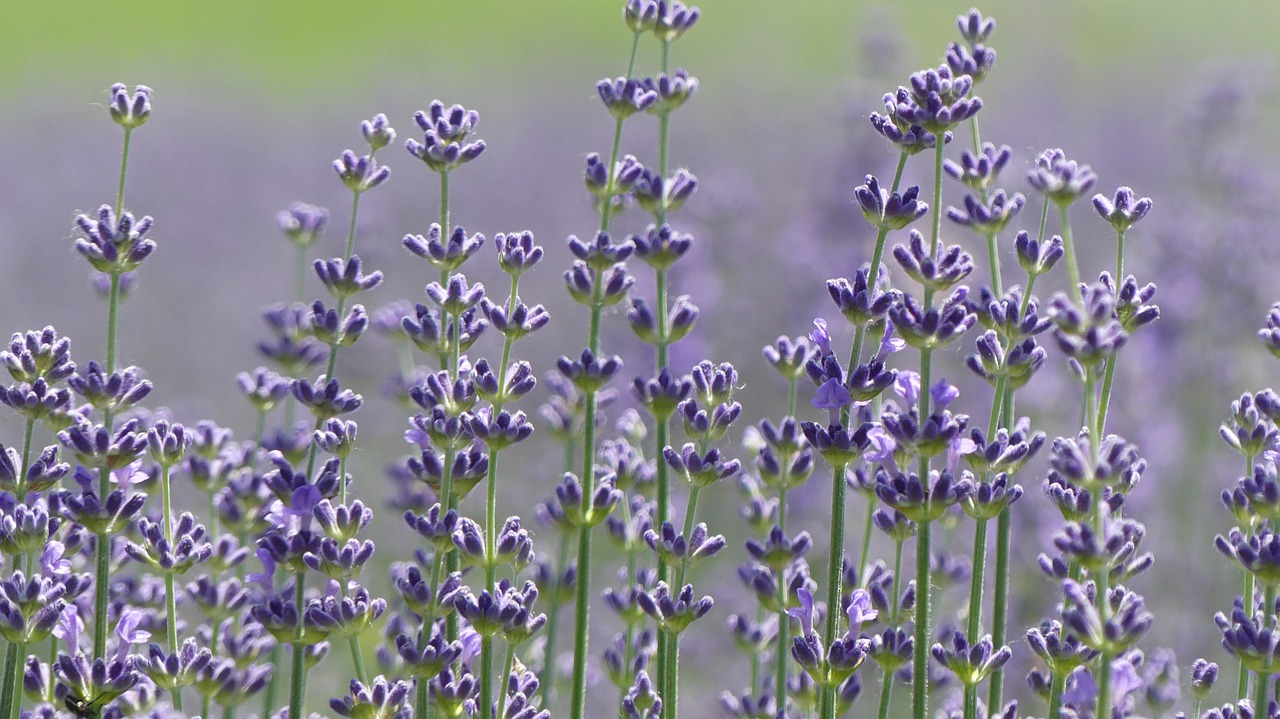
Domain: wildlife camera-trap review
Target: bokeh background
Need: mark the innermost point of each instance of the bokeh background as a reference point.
(254, 99)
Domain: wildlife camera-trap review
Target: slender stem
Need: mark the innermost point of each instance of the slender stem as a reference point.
(920, 660)
(886, 691)
(506, 672)
(206, 704)
(421, 696)
(171, 627)
(993, 260)
(1242, 688)
(298, 679)
(486, 675)
(978, 577)
(1000, 612)
(784, 620)
(1056, 685)
(1263, 687)
(894, 605)
(547, 681)
(835, 574)
(269, 695)
(864, 554)
(970, 701)
(1073, 270)
(12, 675)
(124, 170)
(1119, 257)
(582, 615)
(877, 253)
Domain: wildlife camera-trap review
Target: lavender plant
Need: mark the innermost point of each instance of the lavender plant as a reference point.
(174, 611)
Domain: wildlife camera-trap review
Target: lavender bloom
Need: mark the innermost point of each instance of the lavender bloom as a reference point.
(974, 28)
(683, 315)
(641, 15)
(858, 301)
(1204, 674)
(922, 501)
(382, 699)
(360, 173)
(110, 392)
(377, 132)
(444, 146)
(674, 19)
(908, 138)
(936, 100)
(302, 223)
(661, 246)
(177, 556)
(939, 269)
(789, 356)
(1129, 618)
(325, 398)
(641, 700)
(343, 278)
(1061, 180)
(114, 245)
(1124, 211)
(607, 183)
(517, 252)
(975, 60)
(979, 170)
(623, 97)
(935, 326)
(990, 218)
(1088, 334)
(675, 550)
(34, 356)
(130, 111)
(700, 469)
(971, 664)
(1061, 651)
(1037, 259)
(672, 90)
(888, 211)
(1270, 334)
(674, 613)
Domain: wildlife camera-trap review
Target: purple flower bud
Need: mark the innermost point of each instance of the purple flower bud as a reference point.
(130, 111)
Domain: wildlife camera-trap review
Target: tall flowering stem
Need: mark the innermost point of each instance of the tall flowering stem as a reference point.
(622, 99)
(129, 112)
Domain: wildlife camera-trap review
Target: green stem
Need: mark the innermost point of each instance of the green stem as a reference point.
(1242, 689)
(920, 658)
(1268, 611)
(970, 701)
(171, 627)
(977, 579)
(298, 679)
(894, 606)
(124, 170)
(864, 554)
(1073, 270)
(1119, 257)
(878, 252)
(486, 676)
(547, 681)
(269, 695)
(12, 677)
(506, 672)
(835, 575)
(784, 620)
(420, 697)
(206, 705)
(1056, 685)
(993, 259)
(886, 691)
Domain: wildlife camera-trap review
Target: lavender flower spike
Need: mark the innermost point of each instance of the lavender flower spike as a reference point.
(1124, 211)
(130, 111)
